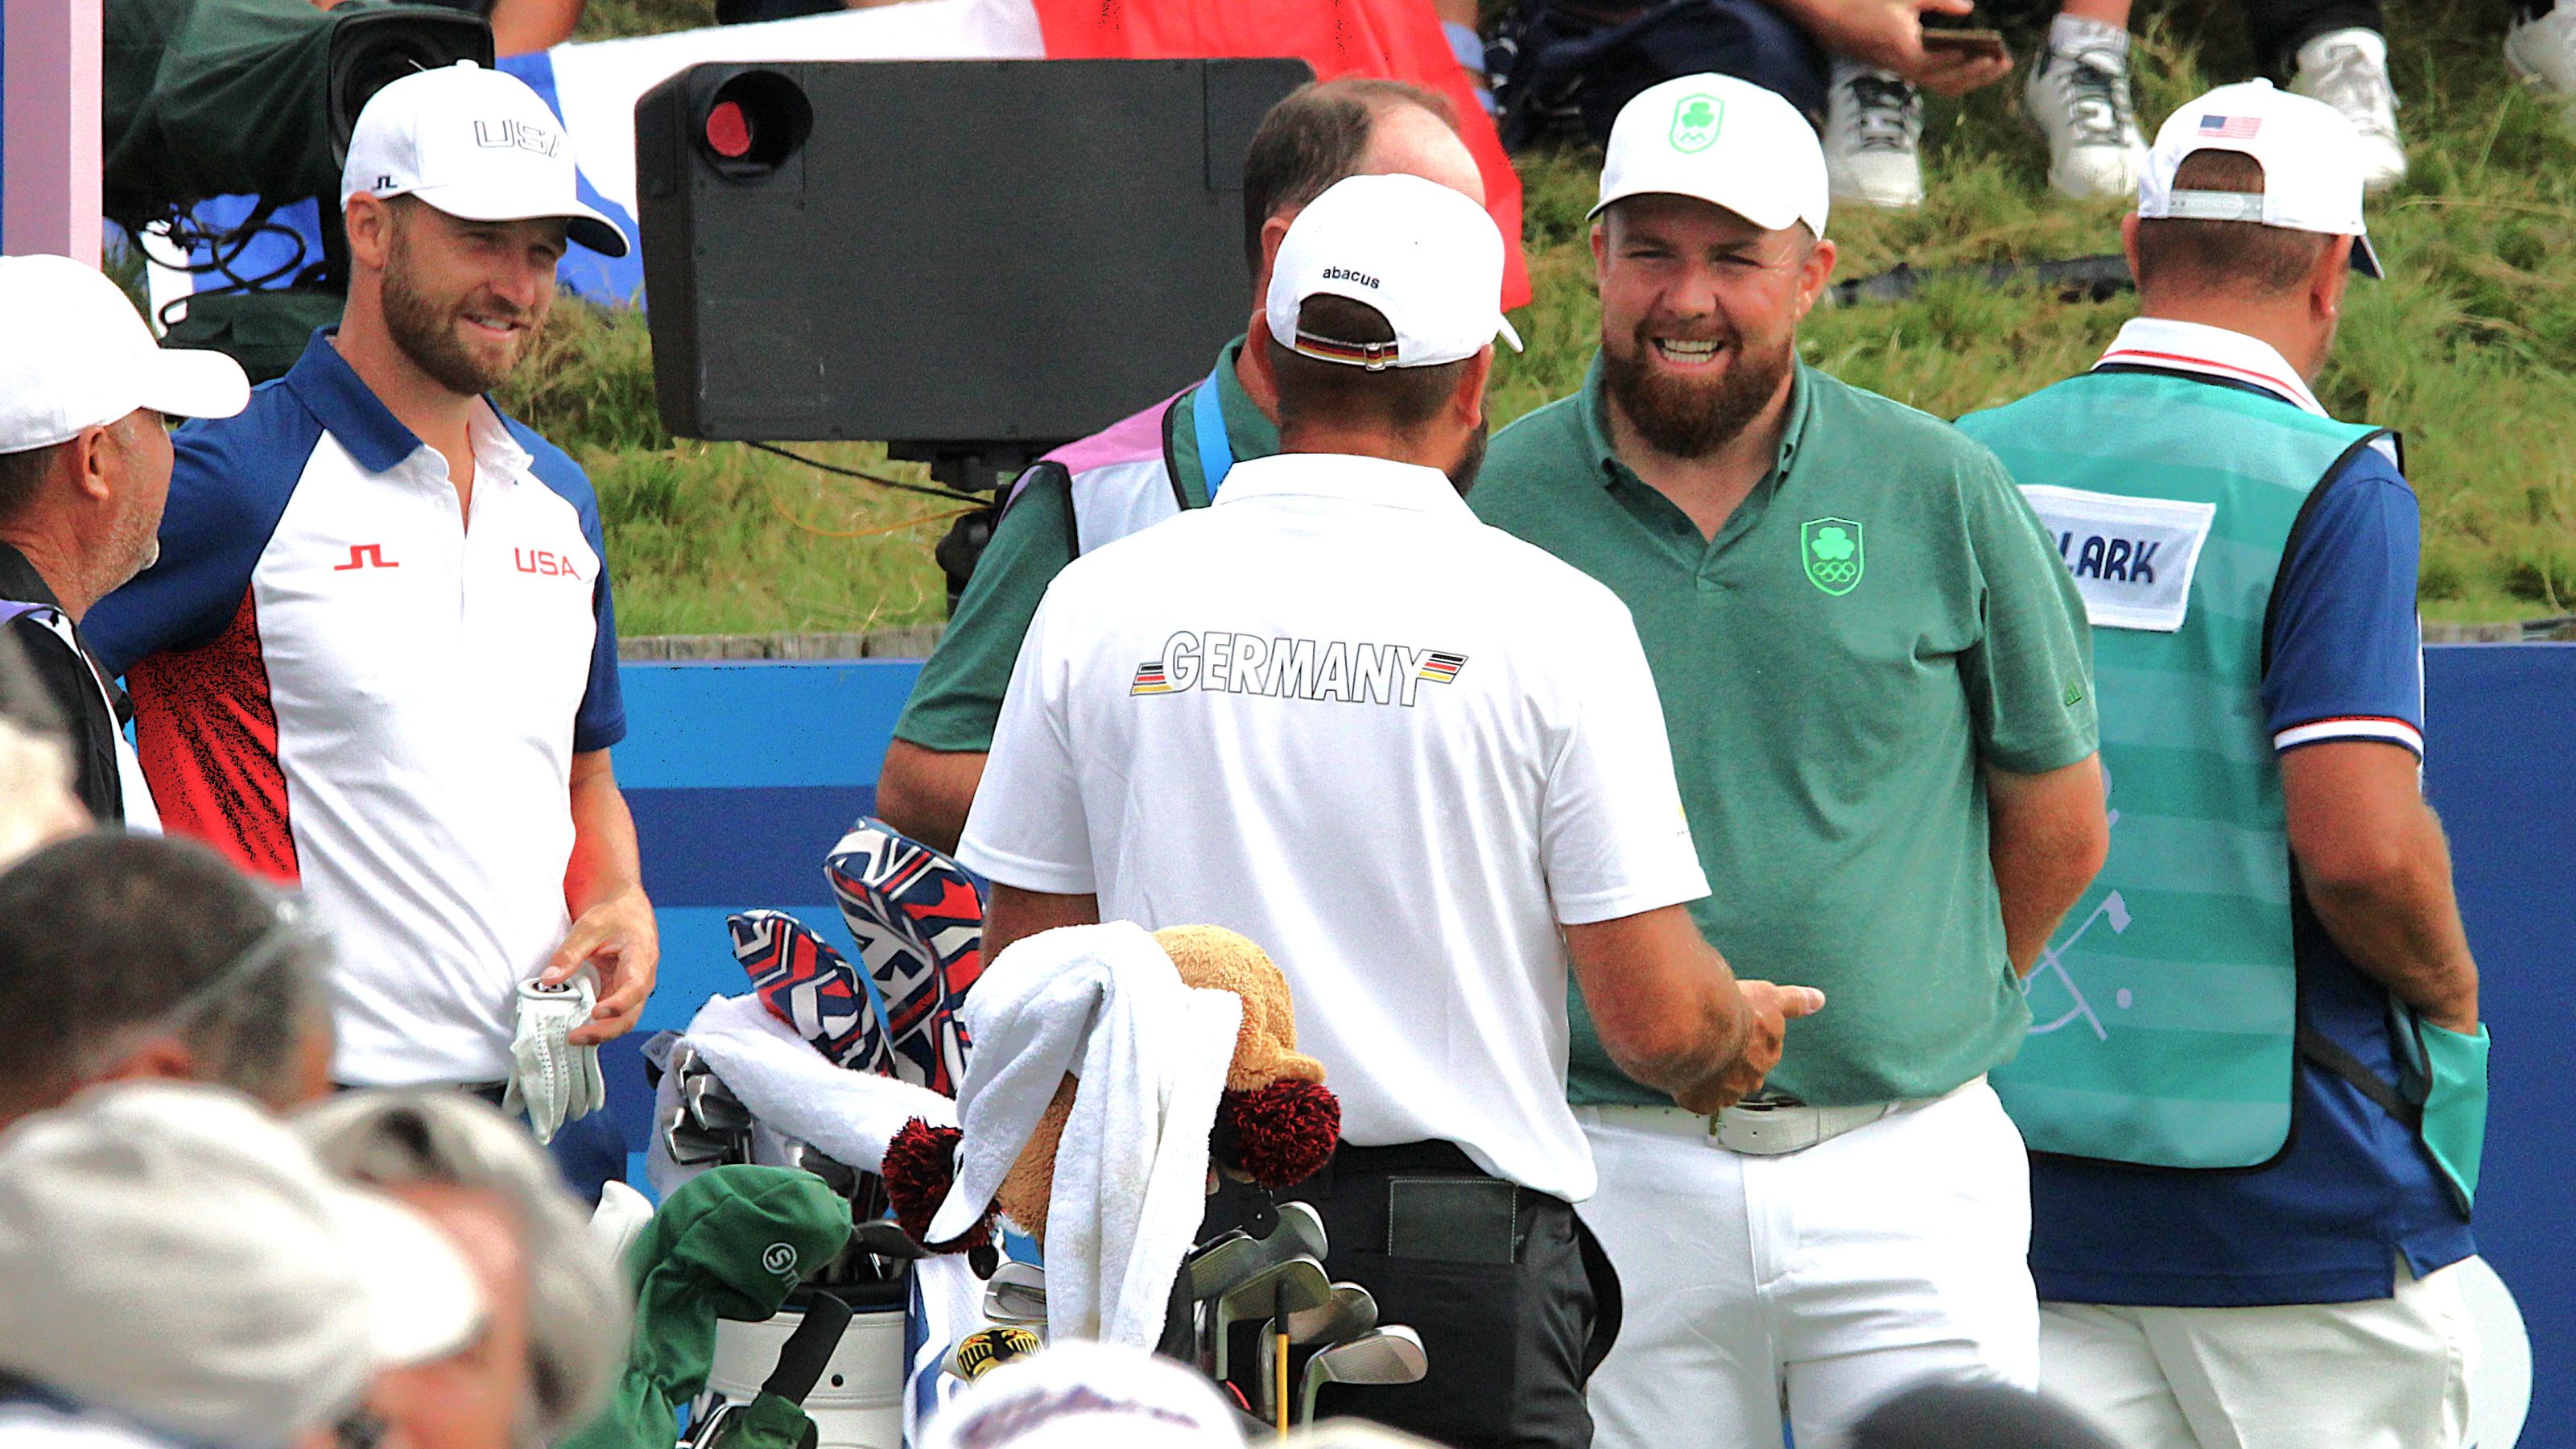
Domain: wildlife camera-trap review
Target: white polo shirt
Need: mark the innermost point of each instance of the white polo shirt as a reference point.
(346, 684)
(1390, 744)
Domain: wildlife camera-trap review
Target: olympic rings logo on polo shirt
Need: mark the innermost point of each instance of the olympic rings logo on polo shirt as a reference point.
(1351, 672)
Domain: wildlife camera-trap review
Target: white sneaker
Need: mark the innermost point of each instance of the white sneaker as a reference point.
(1873, 138)
(2079, 96)
(2348, 70)
(2542, 55)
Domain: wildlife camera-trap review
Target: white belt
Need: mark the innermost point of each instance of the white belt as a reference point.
(1766, 1129)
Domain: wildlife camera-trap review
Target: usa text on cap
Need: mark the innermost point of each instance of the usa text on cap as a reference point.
(476, 144)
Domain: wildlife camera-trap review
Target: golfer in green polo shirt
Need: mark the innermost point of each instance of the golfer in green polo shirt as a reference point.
(1874, 673)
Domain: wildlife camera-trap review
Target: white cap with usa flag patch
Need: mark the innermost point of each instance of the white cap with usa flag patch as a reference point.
(2311, 158)
(476, 144)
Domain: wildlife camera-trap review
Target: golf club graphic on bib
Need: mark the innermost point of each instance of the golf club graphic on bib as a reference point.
(1831, 548)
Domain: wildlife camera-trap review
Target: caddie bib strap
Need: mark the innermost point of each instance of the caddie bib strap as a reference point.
(1207, 422)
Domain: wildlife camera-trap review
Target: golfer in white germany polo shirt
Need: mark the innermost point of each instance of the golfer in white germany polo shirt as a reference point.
(1419, 761)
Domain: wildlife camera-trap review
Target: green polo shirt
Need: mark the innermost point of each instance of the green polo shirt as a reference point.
(959, 694)
(1882, 616)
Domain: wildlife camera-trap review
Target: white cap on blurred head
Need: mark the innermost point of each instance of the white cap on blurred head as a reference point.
(1724, 141)
(172, 1254)
(75, 354)
(1427, 258)
(476, 144)
(1088, 1395)
(2311, 157)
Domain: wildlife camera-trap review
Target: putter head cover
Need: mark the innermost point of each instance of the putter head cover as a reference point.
(552, 1080)
(813, 988)
(1277, 1124)
(918, 920)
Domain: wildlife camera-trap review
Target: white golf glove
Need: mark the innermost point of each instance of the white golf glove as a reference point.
(551, 1079)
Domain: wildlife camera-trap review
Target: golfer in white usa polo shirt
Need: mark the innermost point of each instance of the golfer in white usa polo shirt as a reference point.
(1419, 761)
(377, 657)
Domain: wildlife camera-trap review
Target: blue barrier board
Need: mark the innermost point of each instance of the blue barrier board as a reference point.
(742, 776)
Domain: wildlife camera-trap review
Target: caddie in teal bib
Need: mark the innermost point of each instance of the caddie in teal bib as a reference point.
(2255, 1073)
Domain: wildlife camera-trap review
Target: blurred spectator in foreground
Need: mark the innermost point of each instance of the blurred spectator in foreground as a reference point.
(1088, 1393)
(36, 800)
(1974, 1416)
(556, 1335)
(84, 467)
(176, 1269)
(136, 956)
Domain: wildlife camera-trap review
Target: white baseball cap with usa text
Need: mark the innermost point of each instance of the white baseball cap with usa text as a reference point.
(476, 144)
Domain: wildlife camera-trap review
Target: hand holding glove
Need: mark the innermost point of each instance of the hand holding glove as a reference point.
(553, 1081)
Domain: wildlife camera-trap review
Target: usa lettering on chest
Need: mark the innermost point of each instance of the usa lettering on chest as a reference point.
(543, 563)
(2108, 556)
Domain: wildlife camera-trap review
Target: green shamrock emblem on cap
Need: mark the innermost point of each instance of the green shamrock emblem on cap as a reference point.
(1696, 118)
(1832, 550)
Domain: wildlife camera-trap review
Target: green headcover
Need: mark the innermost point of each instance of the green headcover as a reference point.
(731, 1243)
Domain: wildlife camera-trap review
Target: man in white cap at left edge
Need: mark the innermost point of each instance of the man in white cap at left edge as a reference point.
(86, 397)
(377, 658)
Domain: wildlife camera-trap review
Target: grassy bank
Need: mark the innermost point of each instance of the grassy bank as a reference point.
(2469, 347)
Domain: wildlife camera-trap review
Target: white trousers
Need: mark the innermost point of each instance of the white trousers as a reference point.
(2391, 1373)
(1806, 1287)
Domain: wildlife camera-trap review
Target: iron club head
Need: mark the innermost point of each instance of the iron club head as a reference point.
(1350, 1312)
(1017, 1295)
(1389, 1355)
(1297, 1284)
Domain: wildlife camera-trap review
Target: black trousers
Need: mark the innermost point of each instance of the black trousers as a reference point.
(1515, 1301)
(2277, 28)
(2274, 28)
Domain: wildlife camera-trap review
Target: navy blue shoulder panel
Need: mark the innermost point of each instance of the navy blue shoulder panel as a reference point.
(228, 487)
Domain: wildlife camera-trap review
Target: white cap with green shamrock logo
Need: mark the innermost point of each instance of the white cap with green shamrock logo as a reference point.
(1727, 142)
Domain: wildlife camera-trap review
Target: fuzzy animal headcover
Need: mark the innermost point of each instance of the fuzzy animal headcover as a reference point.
(1275, 1125)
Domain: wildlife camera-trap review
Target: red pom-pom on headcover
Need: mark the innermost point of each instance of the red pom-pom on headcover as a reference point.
(920, 1167)
(1278, 1135)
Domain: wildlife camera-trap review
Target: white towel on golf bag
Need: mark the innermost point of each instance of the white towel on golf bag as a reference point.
(792, 1088)
(1104, 1003)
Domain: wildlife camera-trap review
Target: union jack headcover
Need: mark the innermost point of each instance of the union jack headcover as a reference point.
(918, 918)
(812, 988)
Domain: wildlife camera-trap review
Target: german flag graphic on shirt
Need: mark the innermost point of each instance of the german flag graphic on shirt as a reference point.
(1441, 668)
(1150, 680)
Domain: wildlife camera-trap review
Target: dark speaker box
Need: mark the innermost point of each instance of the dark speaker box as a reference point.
(962, 256)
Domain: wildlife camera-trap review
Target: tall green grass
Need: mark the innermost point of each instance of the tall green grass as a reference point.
(2467, 347)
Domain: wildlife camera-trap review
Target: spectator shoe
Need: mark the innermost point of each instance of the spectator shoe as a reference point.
(2348, 70)
(2078, 95)
(1873, 138)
